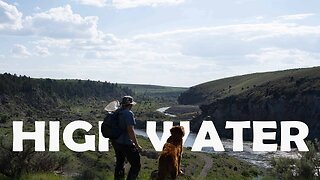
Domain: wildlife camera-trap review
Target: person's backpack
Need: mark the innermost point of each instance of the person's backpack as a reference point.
(110, 126)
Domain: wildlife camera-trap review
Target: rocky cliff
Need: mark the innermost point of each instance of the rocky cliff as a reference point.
(295, 97)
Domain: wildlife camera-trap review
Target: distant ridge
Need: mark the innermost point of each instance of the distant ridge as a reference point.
(210, 91)
(46, 93)
(155, 91)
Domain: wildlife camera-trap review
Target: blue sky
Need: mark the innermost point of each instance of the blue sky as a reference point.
(164, 42)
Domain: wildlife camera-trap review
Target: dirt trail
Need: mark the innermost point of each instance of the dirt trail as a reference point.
(207, 166)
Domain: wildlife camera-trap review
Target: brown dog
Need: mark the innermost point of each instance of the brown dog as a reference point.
(170, 157)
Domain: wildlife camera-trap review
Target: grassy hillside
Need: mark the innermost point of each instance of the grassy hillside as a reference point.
(48, 93)
(29, 100)
(218, 89)
(283, 95)
(156, 92)
(96, 165)
(67, 164)
(290, 95)
(153, 89)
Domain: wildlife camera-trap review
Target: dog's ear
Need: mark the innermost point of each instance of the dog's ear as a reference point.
(182, 130)
(173, 130)
(177, 131)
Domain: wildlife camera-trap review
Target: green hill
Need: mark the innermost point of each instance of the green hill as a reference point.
(155, 91)
(22, 96)
(219, 89)
(68, 88)
(277, 96)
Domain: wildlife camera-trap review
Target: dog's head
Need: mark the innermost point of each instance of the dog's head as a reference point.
(177, 131)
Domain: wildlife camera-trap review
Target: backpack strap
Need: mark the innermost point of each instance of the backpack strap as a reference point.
(118, 112)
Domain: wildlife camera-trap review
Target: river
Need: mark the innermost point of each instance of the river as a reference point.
(259, 158)
(163, 110)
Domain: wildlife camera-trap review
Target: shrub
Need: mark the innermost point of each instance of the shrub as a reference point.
(284, 167)
(14, 164)
(87, 174)
(4, 118)
(46, 161)
(304, 168)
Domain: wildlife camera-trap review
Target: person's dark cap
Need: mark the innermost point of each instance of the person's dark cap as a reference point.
(127, 100)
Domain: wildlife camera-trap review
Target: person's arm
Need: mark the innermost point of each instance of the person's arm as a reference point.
(132, 136)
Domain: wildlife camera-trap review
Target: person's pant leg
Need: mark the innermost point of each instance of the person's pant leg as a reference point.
(133, 157)
(120, 158)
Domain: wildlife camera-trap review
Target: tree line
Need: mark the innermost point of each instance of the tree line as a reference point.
(11, 85)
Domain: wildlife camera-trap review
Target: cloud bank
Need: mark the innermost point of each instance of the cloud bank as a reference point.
(10, 17)
(191, 55)
(126, 4)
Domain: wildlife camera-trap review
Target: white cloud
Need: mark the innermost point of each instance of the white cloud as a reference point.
(95, 55)
(193, 55)
(220, 45)
(124, 4)
(296, 16)
(10, 17)
(277, 56)
(231, 40)
(241, 31)
(190, 55)
(61, 22)
(97, 3)
(259, 17)
(51, 42)
(20, 51)
(37, 8)
(42, 51)
(56, 23)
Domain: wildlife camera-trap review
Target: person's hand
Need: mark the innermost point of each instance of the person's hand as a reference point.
(181, 172)
(139, 148)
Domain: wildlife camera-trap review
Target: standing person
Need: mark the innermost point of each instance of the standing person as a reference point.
(127, 146)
